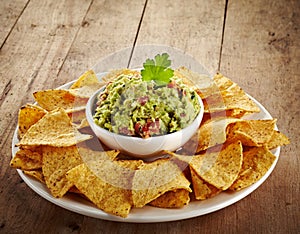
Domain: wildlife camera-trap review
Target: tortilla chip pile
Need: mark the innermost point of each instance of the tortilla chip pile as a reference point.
(227, 152)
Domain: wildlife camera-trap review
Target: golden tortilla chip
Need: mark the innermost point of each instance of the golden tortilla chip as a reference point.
(28, 116)
(257, 161)
(156, 178)
(252, 132)
(54, 129)
(23, 162)
(57, 161)
(211, 133)
(106, 196)
(60, 98)
(229, 97)
(88, 78)
(37, 174)
(219, 169)
(202, 83)
(115, 73)
(172, 199)
(202, 189)
(277, 139)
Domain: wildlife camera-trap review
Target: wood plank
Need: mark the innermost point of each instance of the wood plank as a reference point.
(31, 57)
(52, 43)
(109, 27)
(10, 12)
(261, 53)
(195, 27)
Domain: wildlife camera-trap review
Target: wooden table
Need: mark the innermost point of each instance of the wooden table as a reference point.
(47, 43)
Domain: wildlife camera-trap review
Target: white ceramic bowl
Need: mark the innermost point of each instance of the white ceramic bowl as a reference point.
(139, 147)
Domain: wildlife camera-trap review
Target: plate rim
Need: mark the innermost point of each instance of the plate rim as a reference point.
(87, 208)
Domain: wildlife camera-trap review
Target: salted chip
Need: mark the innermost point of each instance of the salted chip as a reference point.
(93, 155)
(54, 129)
(54, 98)
(202, 83)
(172, 199)
(22, 161)
(252, 132)
(37, 174)
(57, 161)
(219, 169)
(106, 196)
(28, 116)
(202, 189)
(117, 72)
(156, 178)
(211, 133)
(229, 97)
(88, 78)
(277, 139)
(257, 161)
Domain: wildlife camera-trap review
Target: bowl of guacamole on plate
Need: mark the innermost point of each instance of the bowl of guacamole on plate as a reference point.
(145, 116)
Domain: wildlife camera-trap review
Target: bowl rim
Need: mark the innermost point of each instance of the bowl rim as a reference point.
(89, 115)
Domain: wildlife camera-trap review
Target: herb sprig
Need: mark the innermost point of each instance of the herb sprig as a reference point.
(157, 69)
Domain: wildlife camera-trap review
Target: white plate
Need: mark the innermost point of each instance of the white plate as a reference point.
(149, 214)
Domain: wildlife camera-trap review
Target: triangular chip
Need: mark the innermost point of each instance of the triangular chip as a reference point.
(29, 115)
(211, 133)
(96, 182)
(23, 162)
(277, 139)
(257, 161)
(219, 168)
(54, 129)
(88, 78)
(233, 95)
(172, 199)
(202, 189)
(37, 174)
(252, 132)
(54, 98)
(156, 178)
(57, 161)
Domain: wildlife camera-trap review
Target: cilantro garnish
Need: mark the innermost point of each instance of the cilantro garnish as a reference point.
(157, 69)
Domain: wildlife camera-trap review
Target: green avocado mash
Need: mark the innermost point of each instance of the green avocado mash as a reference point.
(131, 106)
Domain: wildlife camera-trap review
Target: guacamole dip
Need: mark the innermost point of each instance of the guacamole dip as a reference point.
(131, 106)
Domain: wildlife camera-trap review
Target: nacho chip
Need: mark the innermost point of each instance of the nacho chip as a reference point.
(28, 116)
(156, 178)
(88, 78)
(37, 174)
(211, 133)
(234, 96)
(219, 169)
(257, 161)
(172, 199)
(252, 132)
(277, 139)
(115, 73)
(23, 162)
(106, 196)
(54, 129)
(202, 189)
(54, 98)
(57, 161)
(202, 83)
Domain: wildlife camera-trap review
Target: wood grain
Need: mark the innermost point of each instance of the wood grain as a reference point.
(261, 53)
(48, 43)
(9, 15)
(195, 27)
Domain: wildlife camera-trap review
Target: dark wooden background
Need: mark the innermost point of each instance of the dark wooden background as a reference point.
(47, 43)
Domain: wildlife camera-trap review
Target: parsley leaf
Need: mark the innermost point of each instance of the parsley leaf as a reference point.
(157, 69)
